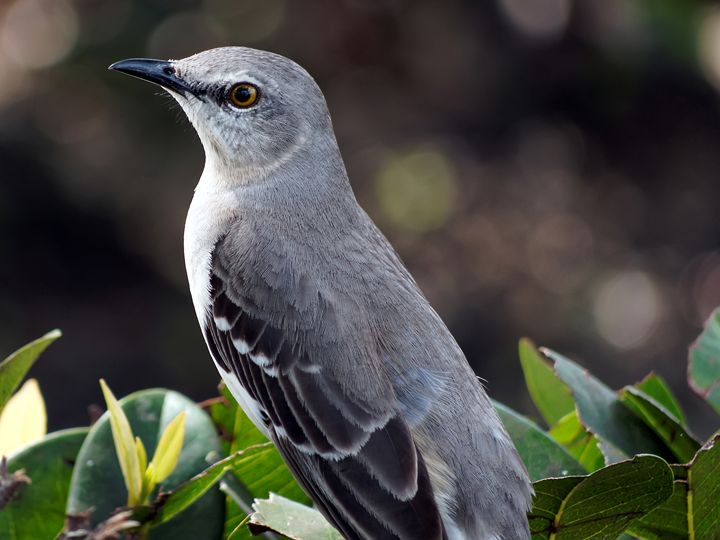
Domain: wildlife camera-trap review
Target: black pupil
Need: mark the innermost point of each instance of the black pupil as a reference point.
(243, 94)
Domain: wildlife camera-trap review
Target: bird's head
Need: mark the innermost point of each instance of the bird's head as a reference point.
(251, 109)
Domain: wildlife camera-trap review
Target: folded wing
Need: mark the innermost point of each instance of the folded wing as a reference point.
(355, 457)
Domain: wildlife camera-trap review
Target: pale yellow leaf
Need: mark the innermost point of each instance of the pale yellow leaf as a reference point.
(142, 454)
(149, 479)
(23, 420)
(124, 446)
(168, 449)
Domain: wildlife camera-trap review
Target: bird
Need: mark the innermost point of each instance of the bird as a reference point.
(317, 327)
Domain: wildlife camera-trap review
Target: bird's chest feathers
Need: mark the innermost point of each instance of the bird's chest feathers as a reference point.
(210, 216)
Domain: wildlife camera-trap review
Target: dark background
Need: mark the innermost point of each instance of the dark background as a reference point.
(546, 168)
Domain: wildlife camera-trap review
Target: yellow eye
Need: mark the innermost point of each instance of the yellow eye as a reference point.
(243, 95)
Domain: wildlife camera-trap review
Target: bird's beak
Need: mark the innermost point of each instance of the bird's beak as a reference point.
(160, 72)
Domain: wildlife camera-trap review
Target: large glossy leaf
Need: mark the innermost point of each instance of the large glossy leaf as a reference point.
(704, 367)
(551, 396)
(542, 456)
(291, 519)
(579, 442)
(620, 431)
(677, 438)
(656, 387)
(703, 477)
(669, 521)
(38, 511)
(693, 511)
(97, 481)
(15, 366)
(601, 505)
(196, 487)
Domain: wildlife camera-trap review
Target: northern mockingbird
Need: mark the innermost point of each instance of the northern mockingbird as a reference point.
(317, 327)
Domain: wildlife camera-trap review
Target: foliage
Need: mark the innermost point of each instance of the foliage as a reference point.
(15, 366)
(608, 464)
(98, 481)
(704, 368)
(40, 510)
(141, 478)
(583, 506)
(291, 519)
(23, 420)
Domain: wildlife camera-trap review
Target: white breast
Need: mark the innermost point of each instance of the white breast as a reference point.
(211, 213)
(209, 217)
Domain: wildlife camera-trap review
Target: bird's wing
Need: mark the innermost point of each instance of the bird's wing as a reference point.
(351, 450)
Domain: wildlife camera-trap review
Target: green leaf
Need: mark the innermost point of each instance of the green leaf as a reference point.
(677, 438)
(601, 505)
(704, 366)
(294, 520)
(551, 396)
(228, 417)
(668, 521)
(15, 366)
(693, 511)
(656, 387)
(97, 481)
(39, 511)
(581, 444)
(542, 456)
(197, 486)
(601, 412)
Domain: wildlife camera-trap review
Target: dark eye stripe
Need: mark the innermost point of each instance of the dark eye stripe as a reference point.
(219, 93)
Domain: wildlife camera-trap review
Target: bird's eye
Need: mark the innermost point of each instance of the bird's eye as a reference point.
(243, 95)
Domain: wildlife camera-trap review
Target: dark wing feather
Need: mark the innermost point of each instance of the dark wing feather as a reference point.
(358, 462)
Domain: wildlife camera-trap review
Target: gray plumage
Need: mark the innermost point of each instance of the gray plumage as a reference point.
(317, 327)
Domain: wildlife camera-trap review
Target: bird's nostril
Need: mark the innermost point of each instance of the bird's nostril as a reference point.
(168, 70)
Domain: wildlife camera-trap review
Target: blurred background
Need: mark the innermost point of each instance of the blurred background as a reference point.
(546, 168)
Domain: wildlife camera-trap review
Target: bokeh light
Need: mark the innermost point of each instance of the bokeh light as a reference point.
(709, 46)
(38, 33)
(538, 18)
(416, 189)
(626, 308)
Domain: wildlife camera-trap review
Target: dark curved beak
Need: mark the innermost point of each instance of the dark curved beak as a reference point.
(160, 72)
